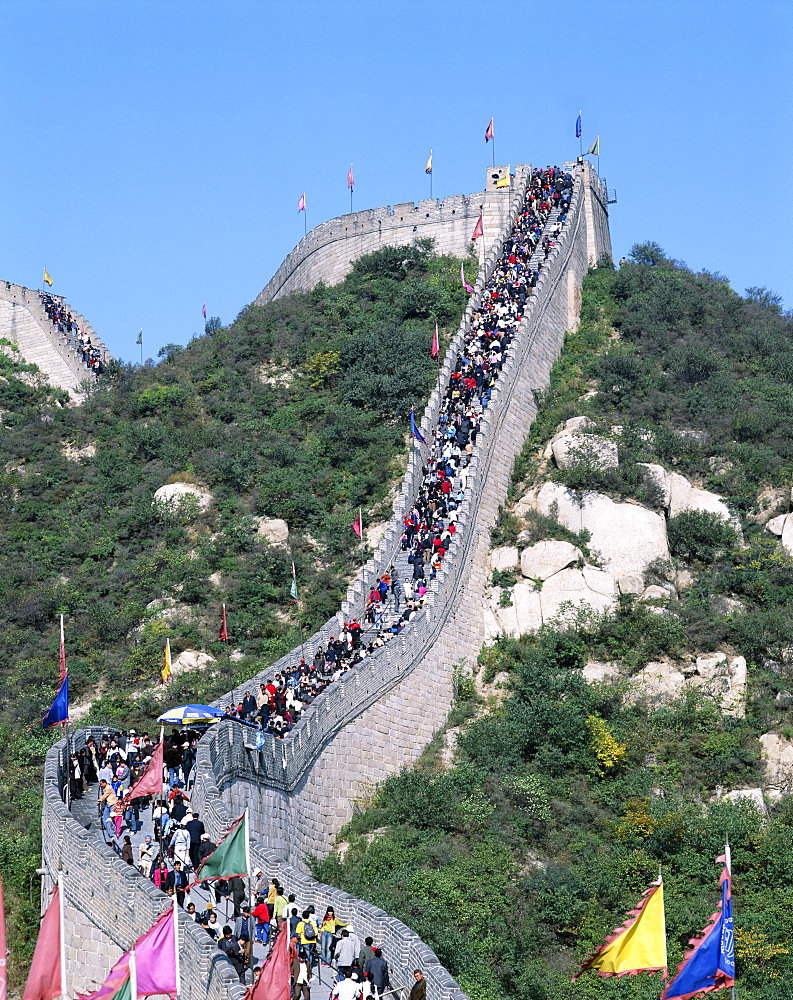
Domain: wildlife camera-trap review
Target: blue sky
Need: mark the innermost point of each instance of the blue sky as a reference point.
(154, 153)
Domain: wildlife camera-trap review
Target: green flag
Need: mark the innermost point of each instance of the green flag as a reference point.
(594, 149)
(140, 337)
(293, 588)
(231, 856)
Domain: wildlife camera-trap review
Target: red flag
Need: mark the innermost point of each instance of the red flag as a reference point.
(204, 311)
(150, 782)
(357, 524)
(350, 178)
(62, 668)
(3, 960)
(44, 978)
(223, 635)
(489, 131)
(274, 982)
(435, 352)
(478, 230)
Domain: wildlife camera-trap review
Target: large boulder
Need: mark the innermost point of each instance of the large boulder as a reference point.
(571, 585)
(684, 496)
(596, 671)
(173, 492)
(504, 557)
(569, 449)
(657, 684)
(274, 529)
(659, 475)
(752, 796)
(724, 679)
(522, 616)
(778, 753)
(627, 537)
(543, 559)
(777, 525)
(192, 659)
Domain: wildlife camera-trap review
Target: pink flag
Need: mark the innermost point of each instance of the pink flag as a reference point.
(223, 634)
(435, 350)
(466, 286)
(478, 230)
(44, 978)
(155, 962)
(204, 311)
(301, 205)
(274, 983)
(350, 178)
(150, 782)
(62, 668)
(489, 131)
(357, 524)
(3, 960)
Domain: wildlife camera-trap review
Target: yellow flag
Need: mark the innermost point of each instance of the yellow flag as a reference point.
(639, 945)
(504, 182)
(165, 673)
(428, 168)
(47, 277)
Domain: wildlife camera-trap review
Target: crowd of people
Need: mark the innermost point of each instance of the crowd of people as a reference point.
(171, 855)
(76, 339)
(397, 596)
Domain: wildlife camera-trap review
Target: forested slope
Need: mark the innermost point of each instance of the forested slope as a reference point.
(516, 857)
(298, 410)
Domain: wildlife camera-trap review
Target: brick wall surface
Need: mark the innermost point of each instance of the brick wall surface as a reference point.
(300, 791)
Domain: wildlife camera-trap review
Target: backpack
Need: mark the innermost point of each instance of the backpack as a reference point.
(309, 931)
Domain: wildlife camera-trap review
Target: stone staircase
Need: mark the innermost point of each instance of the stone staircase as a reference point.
(24, 322)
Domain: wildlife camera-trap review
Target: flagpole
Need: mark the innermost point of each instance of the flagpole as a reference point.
(62, 925)
(177, 961)
(728, 861)
(133, 975)
(363, 550)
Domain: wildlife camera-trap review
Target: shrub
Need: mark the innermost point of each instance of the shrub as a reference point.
(698, 535)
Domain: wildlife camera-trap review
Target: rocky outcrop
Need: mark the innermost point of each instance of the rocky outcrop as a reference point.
(778, 753)
(721, 677)
(542, 560)
(274, 529)
(174, 492)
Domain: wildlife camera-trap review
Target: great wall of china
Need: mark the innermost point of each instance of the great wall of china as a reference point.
(300, 791)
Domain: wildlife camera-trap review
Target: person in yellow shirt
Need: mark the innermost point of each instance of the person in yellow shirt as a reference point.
(307, 932)
(328, 928)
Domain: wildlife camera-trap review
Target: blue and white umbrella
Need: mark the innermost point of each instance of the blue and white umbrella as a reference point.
(185, 714)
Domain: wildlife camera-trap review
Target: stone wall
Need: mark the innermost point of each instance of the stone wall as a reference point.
(300, 791)
(109, 904)
(24, 322)
(327, 252)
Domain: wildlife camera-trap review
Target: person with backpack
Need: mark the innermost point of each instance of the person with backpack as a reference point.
(306, 930)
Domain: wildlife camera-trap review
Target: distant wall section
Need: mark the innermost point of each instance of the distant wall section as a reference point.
(327, 252)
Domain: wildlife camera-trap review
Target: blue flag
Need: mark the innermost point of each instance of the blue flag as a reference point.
(413, 429)
(578, 128)
(710, 965)
(59, 709)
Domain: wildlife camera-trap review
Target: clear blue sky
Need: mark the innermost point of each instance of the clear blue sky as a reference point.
(154, 153)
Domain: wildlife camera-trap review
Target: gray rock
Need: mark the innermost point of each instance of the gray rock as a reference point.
(724, 679)
(543, 559)
(777, 525)
(655, 593)
(570, 448)
(778, 754)
(504, 557)
(596, 671)
(274, 529)
(659, 475)
(657, 684)
(570, 585)
(631, 583)
(173, 492)
(754, 796)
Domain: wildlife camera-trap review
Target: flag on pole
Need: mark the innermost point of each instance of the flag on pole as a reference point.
(230, 857)
(58, 713)
(223, 634)
(274, 982)
(478, 229)
(435, 350)
(150, 782)
(293, 588)
(594, 149)
(350, 179)
(140, 337)
(578, 124)
(413, 428)
(155, 964)
(3, 950)
(710, 965)
(428, 167)
(204, 311)
(62, 668)
(489, 134)
(165, 672)
(639, 945)
(44, 979)
(301, 205)
(47, 277)
(466, 286)
(357, 524)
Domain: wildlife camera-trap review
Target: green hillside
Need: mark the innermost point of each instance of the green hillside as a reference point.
(298, 410)
(562, 801)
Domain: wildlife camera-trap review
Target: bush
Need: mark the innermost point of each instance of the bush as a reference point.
(699, 535)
